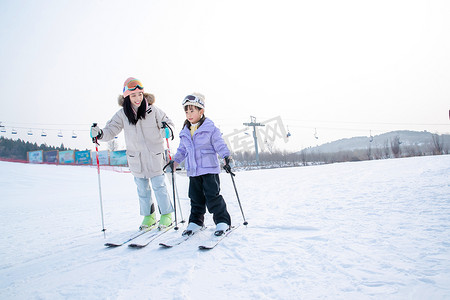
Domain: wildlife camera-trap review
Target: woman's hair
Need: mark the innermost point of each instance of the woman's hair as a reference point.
(128, 109)
(187, 123)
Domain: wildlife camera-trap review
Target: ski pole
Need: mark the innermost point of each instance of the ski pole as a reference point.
(174, 200)
(237, 195)
(168, 132)
(94, 139)
(178, 200)
(173, 189)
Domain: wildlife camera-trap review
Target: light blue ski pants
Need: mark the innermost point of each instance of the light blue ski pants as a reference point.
(145, 195)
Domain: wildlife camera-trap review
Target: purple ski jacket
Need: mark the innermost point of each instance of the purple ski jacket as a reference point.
(200, 150)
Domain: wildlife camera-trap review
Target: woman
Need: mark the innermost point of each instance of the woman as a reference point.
(142, 121)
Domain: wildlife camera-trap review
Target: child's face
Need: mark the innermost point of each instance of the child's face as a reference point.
(136, 98)
(193, 114)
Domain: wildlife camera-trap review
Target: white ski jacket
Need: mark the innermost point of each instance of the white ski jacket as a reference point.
(144, 143)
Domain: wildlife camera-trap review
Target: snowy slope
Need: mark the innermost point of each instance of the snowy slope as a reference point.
(365, 230)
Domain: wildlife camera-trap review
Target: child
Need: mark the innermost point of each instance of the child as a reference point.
(200, 141)
(141, 122)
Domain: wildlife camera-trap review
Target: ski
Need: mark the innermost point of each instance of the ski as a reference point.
(178, 240)
(147, 239)
(213, 241)
(126, 238)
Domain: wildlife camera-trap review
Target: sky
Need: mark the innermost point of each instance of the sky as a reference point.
(329, 69)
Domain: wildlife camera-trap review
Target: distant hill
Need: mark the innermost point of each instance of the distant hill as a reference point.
(407, 138)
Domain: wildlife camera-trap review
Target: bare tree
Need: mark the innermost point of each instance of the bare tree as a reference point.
(438, 144)
(369, 152)
(395, 146)
(386, 150)
(303, 157)
(378, 153)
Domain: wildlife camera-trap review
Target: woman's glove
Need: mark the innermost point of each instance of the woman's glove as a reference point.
(166, 131)
(96, 133)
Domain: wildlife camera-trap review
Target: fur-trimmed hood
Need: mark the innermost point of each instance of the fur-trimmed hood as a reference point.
(147, 96)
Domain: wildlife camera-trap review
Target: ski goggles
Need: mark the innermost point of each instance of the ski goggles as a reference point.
(193, 99)
(133, 85)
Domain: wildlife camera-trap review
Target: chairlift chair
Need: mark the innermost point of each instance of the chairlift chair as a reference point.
(14, 131)
(43, 133)
(30, 132)
(315, 134)
(74, 135)
(60, 134)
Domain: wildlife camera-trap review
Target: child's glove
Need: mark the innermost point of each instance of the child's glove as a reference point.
(228, 163)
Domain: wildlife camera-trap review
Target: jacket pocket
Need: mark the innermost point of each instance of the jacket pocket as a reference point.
(209, 159)
(134, 161)
(156, 162)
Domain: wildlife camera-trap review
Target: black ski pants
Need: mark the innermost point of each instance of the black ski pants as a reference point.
(204, 192)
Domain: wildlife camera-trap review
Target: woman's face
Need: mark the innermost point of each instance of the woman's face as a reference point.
(193, 114)
(136, 98)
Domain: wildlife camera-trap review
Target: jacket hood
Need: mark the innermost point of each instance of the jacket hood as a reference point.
(147, 96)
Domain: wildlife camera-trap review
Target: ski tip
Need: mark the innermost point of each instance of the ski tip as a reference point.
(111, 245)
(165, 245)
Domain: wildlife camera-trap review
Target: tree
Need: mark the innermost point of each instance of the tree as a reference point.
(395, 146)
(438, 144)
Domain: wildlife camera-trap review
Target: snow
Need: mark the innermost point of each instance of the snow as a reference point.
(362, 230)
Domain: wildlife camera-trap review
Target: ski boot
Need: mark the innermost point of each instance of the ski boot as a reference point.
(221, 228)
(165, 221)
(148, 222)
(191, 229)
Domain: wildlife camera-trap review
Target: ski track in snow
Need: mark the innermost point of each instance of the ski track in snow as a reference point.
(365, 230)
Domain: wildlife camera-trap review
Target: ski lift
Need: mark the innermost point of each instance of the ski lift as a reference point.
(43, 133)
(60, 134)
(315, 134)
(371, 137)
(3, 128)
(74, 135)
(30, 132)
(289, 133)
(14, 131)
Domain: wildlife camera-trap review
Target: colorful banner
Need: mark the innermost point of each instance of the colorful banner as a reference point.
(35, 157)
(103, 157)
(118, 158)
(66, 157)
(51, 156)
(83, 157)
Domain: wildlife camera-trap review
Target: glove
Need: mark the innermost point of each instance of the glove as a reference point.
(166, 131)
(228, 162)
(96, 132)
